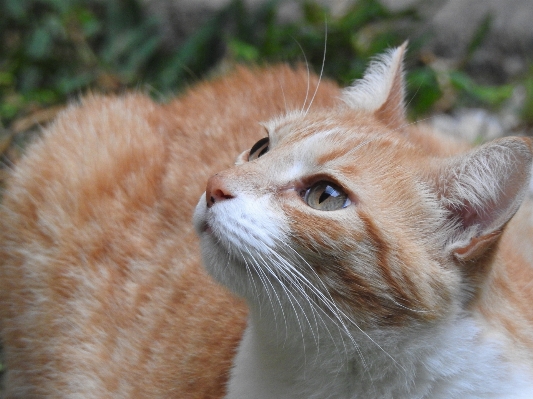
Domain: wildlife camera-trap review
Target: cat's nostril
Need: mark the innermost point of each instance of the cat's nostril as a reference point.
(216, 191)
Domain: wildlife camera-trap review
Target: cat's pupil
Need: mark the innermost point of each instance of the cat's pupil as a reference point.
(326, 196)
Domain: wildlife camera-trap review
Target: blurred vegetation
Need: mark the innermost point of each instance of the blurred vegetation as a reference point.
(55, 49)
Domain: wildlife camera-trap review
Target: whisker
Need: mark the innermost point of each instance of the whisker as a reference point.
(339, 312)
(322, 68)
(273, 274)
(264, 281)
(287, 273)
(308, 73)
(251, 278)
(284, 98)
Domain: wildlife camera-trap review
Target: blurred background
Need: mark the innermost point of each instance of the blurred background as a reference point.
(470, 63)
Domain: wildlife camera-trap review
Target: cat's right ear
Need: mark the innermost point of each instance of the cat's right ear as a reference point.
(381, 90)
(482, 190)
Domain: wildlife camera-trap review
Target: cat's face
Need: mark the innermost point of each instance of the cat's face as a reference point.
(332, 204)
(350, 211)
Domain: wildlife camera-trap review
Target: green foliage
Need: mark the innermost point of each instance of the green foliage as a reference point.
(340, 45)
(54, 49)
(425, 90)
(490, 95)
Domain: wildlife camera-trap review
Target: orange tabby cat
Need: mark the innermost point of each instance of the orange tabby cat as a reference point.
(373, 258)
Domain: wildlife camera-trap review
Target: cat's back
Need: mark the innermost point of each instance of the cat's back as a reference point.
(101, 292)
(100, 287)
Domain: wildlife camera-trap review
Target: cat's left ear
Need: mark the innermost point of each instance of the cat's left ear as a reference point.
(381, 90)
(482, 190)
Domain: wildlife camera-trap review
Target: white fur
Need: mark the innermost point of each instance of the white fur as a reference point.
(451, 360)
(371, 92)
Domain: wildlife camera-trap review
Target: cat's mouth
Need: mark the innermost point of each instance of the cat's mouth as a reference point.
(199, 218)
(204, 227)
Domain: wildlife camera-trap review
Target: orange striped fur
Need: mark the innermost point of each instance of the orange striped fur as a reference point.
(102, 290)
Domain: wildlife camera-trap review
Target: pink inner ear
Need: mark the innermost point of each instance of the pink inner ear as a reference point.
(482, 190)
(484, 235)
(476, 247)
(469, 216)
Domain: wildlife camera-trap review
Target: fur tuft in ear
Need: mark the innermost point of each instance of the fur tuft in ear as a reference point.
(482, 190)
(381, 90)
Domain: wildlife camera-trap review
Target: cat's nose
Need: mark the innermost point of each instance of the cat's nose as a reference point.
(216, 191)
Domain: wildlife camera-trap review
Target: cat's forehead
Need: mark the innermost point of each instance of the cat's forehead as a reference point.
(335, 137)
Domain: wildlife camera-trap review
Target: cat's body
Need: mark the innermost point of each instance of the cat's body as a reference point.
(368, 251)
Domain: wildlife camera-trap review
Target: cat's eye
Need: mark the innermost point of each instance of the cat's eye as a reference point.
(258, 149)
(326, 196)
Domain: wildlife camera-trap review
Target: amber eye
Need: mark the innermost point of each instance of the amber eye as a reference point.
(260, 148)
(326, 196)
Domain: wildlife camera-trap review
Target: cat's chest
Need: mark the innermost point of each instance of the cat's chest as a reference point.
(451, 361)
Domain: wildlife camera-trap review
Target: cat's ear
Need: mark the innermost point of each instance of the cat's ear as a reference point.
(482, 190)
(381, 90)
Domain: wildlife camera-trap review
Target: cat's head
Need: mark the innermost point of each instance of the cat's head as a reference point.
(359, 213)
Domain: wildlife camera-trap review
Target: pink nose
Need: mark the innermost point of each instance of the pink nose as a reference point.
(216, 191)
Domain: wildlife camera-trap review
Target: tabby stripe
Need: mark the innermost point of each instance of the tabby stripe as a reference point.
(402, 296)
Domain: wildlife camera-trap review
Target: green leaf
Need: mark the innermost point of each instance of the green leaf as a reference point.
(72, 84)
(479, 35)
(423, 90)
(242, 51)
(492, 95)
(16, 9)
(195, 51)
(6, 78)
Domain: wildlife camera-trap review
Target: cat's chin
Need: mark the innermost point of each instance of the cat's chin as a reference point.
(224, 268)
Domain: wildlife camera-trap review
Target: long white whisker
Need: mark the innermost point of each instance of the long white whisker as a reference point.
(326, 300)
(308, 74)
(322, 68)
(264, 281)
(251, 278)
(273, 274)
(284, 98)
(287, 274)
(339, 312)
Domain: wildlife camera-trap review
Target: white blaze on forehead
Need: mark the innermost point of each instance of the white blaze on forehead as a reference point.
(295, 171)
(281, 126)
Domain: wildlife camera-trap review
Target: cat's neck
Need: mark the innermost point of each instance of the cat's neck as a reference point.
(386, 363)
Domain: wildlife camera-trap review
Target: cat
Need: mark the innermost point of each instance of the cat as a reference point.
(346, 254)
